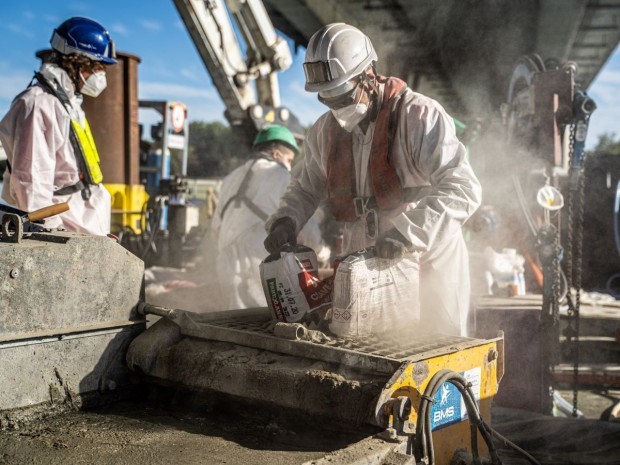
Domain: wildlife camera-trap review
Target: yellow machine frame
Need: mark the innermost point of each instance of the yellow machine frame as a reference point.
(414, 376)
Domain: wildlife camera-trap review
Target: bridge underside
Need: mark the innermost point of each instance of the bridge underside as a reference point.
(462, 52)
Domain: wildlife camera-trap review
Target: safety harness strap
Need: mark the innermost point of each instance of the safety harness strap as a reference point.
(68, 190)
(387, 188)
(241, 196)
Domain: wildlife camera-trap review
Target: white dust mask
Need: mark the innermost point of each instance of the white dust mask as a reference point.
(95, 84)
(350, 116)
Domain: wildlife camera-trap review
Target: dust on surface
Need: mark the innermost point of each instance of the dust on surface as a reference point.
(140, 433)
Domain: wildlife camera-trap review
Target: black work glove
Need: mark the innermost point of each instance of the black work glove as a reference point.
(391, 244)
(282, 232)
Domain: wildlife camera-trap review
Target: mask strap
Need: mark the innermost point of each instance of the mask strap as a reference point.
(359, 99)
(376, 98)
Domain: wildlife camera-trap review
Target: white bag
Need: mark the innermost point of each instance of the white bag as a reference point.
(375, 295)
(291, 284)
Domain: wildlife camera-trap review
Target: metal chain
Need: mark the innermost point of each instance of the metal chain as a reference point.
(578, 269)
(549, 252)
(573, 267)
(569, 221)
(569, 332)
(569, 226)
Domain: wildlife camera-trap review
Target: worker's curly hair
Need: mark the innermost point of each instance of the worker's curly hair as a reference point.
(72, 64)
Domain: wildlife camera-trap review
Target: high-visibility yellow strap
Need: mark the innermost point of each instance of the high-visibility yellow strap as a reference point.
(88, 151)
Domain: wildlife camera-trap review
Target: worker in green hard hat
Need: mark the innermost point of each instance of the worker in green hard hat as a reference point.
(228, 276)
(247, 197)
(278, 142)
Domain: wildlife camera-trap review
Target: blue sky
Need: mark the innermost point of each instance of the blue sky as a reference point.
(170, 67)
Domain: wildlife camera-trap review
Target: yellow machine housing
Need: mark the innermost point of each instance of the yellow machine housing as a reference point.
(377, 380)
(127, 203)
(481, 362)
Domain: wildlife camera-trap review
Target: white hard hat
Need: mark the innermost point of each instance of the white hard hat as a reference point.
(336, 53)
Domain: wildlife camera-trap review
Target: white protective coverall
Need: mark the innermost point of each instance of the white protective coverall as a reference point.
(429, 156)
(240, 233)
(35, 136)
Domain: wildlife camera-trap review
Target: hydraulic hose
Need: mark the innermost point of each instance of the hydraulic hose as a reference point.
(513, 446)
(563, 406)
(424, 439)
(424, 434)
(609, 284)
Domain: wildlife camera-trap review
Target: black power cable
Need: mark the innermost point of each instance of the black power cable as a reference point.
(424, 438)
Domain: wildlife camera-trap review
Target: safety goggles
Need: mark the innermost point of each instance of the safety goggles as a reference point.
(318, 72)
(335, 102)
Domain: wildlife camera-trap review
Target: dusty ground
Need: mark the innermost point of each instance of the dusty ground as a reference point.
(160, 428)
(594, 404)
(137, 433)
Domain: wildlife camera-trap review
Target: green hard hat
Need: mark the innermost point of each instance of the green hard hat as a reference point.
(277, 133)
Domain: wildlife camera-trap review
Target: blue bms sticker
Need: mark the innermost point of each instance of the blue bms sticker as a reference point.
(449, 407)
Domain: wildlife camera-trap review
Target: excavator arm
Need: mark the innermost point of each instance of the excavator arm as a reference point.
(248, 107)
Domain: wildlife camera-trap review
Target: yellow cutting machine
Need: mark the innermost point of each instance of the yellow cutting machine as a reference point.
(424, 390)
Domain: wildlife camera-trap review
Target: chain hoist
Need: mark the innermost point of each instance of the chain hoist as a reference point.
(583, 106)
(549, 252)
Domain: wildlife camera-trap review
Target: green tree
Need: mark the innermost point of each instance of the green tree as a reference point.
(608, 144)
(214, 150)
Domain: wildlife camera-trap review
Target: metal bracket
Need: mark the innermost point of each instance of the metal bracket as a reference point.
(12, 228)
(369, 215)
(397, 411)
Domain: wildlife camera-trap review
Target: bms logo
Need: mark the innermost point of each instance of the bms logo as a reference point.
(445, 414)
(447, 406)
(445, 394)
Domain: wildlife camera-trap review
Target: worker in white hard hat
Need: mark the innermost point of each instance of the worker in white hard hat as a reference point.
(52, 157)
(389, 163)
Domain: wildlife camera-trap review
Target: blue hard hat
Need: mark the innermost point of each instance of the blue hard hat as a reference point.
(86, 37)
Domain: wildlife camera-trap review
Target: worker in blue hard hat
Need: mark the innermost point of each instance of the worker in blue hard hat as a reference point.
(388, 162)
(52, 156)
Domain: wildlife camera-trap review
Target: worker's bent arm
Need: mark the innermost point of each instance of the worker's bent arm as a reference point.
(433, 152)
(306, 191)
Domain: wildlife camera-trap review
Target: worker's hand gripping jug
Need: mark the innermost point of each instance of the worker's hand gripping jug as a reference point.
(291, 284)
